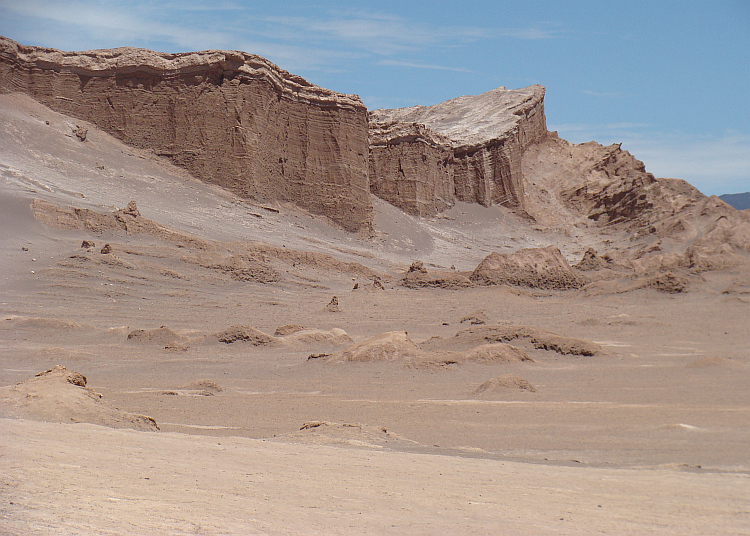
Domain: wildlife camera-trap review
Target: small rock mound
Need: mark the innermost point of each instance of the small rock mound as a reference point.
(496, 353)
(246, 334)
(61, 395)
(503, 383)
(307, 337)
(287, 329)
(539, 338)
(543, 268)
(669, 282)
(476, 318)
(390, 346)
(208, 386)
(162, 336)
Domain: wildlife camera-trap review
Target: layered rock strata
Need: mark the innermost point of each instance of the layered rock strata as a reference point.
(230, 118)
(425, 158)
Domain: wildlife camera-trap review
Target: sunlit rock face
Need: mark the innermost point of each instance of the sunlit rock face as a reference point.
(230, 118)
(424, 158)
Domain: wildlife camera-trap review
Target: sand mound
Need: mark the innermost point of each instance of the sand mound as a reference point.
(541, 339)
(355, 435)
(476, 318)
(533, 267)
(390, 346)
(308, 337)
(503, 383)
(246, 334)
(287, 329)
(496, 353)
(162, 336)
(60, 395)
(205, 387)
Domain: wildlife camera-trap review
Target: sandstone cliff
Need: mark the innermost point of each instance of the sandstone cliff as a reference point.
(424, 158)
(230, 118)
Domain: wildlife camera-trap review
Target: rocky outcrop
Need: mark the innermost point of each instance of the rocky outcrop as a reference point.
(230, 118)
(531, 267)
(424, 158)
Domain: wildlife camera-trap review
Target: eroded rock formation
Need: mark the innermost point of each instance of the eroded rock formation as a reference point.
(424, 158)
(230, 118)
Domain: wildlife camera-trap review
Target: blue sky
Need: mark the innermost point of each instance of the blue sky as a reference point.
(668, 79)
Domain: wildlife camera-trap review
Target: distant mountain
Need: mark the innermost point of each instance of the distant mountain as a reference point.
(738, 201)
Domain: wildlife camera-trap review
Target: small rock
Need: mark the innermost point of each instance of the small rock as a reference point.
(81, 132)
(417, 266)
(106, 250)
(132, 210)
(333, 306)
(88, 244)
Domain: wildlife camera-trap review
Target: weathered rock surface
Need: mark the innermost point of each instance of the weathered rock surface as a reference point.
(424, 158)
(230, 118)
(531, 267)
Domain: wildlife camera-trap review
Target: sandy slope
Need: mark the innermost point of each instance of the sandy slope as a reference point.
(655, 428)
(88, 480)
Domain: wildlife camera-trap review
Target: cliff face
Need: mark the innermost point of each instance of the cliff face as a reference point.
(424, 158)
(230, 118)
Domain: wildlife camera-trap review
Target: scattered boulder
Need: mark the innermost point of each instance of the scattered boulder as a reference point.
(106, 249)
(544, 268)
(61, 395)
(87, 244)
(503, 383)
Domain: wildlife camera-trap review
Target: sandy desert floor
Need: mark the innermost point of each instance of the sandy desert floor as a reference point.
(649, 436)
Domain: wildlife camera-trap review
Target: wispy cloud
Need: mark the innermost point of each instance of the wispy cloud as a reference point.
(323, 40)
(713, 164)
(531, 33)
(415, 65)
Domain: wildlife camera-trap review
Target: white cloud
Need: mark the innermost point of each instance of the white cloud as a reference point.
(415, 65)
(713, 164)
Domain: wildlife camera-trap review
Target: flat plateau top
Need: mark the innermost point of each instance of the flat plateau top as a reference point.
(470, 119)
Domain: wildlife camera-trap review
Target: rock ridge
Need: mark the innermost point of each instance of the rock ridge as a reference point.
(230, 118)
(425, 158)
